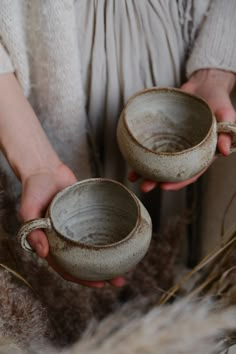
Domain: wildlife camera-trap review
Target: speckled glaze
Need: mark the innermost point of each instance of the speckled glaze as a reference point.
(97, 229)
(168, 135)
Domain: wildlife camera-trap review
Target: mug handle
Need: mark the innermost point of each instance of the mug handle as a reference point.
(27, 227)
(227, 127)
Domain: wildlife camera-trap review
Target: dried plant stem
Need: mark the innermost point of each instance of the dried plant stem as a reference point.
(227, 240)
(17, 275)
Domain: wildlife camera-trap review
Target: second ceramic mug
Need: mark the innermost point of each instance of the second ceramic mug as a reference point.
(168, 135)
(97, 229)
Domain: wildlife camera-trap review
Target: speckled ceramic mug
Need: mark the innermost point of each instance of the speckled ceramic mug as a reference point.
(168, 135)
(97, 229)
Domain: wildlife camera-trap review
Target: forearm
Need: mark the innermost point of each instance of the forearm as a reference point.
(22, 139)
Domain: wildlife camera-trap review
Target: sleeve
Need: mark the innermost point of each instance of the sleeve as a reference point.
(14, 50)
(215, 45)
(5, 61)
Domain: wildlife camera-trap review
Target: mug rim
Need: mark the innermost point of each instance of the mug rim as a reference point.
(88, 246)
(166, 89)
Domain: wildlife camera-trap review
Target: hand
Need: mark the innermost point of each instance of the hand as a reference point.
(214, 86)
(35, 163)
(37, 191)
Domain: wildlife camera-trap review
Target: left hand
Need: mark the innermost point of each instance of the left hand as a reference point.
(214, 86)
(37, 191)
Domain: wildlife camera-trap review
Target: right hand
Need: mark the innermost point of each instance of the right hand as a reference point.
(38, 190)
(36, 164)
(214, 86)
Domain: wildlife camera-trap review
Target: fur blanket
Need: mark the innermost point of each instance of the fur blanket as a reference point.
(60, 311)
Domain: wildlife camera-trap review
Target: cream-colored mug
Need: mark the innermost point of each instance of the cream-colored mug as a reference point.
(97, 229)
(168, 135)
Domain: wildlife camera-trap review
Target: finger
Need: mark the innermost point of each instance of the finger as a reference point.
(224, 144)
(37, 238)
(133, 176)
(179, 185)
(117, 282)
(89, 284)
(68, 277)
(38, 241)
(225, 114)
(148, 185)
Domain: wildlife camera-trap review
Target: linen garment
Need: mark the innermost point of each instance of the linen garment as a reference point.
(79, 61)
(126, 46)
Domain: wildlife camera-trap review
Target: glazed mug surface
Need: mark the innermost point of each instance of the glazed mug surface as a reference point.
(168, 135)
(97, 229)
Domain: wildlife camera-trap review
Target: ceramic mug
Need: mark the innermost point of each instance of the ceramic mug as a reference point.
(168, 135)
(97, 229)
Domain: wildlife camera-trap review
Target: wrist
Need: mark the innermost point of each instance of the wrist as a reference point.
(48, 166)
(226, 79)
(60, 173)
(31, 156)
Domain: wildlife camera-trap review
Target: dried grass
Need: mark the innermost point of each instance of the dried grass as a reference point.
(215, 275)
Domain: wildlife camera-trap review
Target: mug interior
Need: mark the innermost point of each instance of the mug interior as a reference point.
(95, 212)
(168, 121)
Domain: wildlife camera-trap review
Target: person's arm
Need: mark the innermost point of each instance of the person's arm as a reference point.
(30, 155)
(210, 71)
(215, 87)
(35, 163)
(211, 66)
(22, 139)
